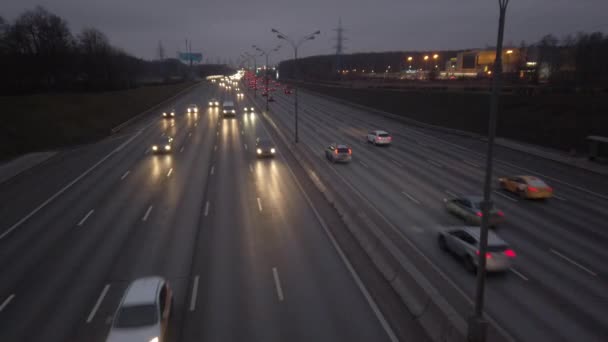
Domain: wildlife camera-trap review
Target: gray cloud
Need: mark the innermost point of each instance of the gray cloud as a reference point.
(227, 28)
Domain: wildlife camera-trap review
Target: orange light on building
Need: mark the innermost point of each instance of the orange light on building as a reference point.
(509, 52)
(426, 58)
(435, 56)
(409, 59)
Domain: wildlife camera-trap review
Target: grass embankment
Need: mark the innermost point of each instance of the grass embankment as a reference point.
(51, 121)
(557, 121)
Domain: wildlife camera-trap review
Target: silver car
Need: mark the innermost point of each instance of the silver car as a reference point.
(469, 209)
(143, 313)
(338, 153)
(463, 242)
(379, 138)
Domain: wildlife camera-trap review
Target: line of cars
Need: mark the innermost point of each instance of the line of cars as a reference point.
(164, 145)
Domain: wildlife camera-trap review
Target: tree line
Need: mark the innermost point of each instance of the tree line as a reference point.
(38, 52)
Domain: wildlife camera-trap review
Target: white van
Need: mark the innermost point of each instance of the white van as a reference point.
(228, 108)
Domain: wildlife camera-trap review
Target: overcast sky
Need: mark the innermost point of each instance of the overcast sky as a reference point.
(227, 28)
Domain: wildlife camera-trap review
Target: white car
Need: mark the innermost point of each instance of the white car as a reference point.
(379, 138)
(228, 108)
(143, 313)
(193, 108)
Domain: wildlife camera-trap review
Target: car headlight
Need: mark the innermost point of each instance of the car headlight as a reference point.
(154, 339)
(188, 110)
(167, 147)
(252, 109)
(224, 112)
(272, 150)
(196, 110)
(210, 103)
(172, 114)
(217, 103)
(234, 111)
(164, 114)
(154, 148)
(259, 151)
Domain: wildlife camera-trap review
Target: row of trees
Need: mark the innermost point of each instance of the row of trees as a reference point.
(38, 52)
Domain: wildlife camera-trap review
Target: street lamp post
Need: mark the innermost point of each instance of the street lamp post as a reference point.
(295, 45)
(477, 324)
(266, 53)
(255, 68)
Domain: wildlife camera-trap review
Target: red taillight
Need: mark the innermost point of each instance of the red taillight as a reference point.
(390, 138)
(550, 189)
(501, 214)
(488, 254)
(336, 150)
(479, 214)
(510, 253)
(532, 189)
(350, 151)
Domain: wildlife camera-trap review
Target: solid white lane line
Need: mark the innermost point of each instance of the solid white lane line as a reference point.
(368, 297)
(519, 274)
(194, 293)
(207, 208)
(432, 162)
(363, 163)
(69, 185)
(410, 197)
(277, 283)
(559, 198)
(147, 214)
(98, 303)
(468, 162)
(250, 168)
(84, 219)
(181, 149)
(396, 162)
(212, 170)
(125, 175)
(6, 302)
(170, 172)
(573, 262)
(450, 193)
(259, 204)
(245, 145)
(505, 196)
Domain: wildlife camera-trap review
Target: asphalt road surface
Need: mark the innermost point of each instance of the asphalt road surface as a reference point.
(557, 287)
(237, 238)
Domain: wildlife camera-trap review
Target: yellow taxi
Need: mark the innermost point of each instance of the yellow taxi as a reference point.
(526, 186)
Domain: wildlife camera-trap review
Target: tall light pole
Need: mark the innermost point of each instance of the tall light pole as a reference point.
(295, 44)
(255, 68)
(266, 53)
(477, 324)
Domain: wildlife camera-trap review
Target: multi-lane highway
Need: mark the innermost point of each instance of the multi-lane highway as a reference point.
(244, 248)
(557, 287)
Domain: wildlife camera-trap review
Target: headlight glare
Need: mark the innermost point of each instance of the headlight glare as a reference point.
(259, 151)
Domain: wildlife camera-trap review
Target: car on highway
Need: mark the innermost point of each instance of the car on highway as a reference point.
(248, 109)
(529, 187)
(265, 93)
(168, 114)
(265, 148)
(214, 102)
(338, 153)
(463, 242)
(162, 145)
(240, 94)
(143, 313)
(270, 98)
(468, 208)
(287, 91)
(228, 108)
(192, 108)
(378, 137)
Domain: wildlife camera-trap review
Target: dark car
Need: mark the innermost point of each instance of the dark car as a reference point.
(264, 148)
(338, 153)
(163, 145)
(469, 209)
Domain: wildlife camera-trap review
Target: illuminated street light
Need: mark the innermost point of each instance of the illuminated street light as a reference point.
(426, 58)
(409, 59)
(509, 52)
(435, 56)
